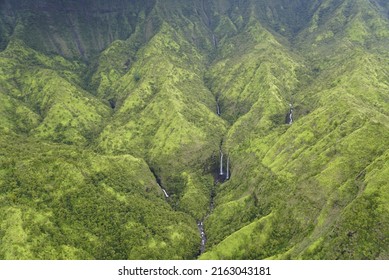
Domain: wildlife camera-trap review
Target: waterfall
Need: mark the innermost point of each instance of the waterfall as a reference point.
(217, 105)
(221, 163)
(214, 40)
(228, 168)
(159, 183)
(164, 192)
(291, 116)
(200, 225)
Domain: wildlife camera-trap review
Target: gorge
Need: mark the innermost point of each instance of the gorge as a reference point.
(198, 129)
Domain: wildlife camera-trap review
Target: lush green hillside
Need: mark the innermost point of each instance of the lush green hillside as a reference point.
(114, 115)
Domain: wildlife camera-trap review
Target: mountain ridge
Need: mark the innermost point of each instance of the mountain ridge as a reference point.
(293, 93)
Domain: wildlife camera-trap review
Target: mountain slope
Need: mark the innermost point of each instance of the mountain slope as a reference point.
(310, 181)
(116, 115)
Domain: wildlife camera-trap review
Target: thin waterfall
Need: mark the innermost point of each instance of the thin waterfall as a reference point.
(221, 163)
(200, 226)
(218, 106)
(214, 40)
(228, 168)
(291, 116)
(164, 192)
(159, 183)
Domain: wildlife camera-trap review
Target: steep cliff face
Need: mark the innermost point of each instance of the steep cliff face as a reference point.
(73, 28)
(134, 109)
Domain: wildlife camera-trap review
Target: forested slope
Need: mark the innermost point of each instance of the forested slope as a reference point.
(120, 121)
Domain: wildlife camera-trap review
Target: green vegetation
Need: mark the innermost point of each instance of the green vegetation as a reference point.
(101, 102)
(61, 202)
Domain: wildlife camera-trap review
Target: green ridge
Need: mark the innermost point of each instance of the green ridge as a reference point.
(104, 103)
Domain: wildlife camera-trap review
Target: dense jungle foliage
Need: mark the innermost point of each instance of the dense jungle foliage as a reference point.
(106, 105)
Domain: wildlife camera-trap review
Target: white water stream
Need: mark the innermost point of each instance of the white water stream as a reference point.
(228, 168)
(164, 191)
(221, 163)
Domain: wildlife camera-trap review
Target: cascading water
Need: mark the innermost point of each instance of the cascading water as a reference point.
(218, 106)
(289, 116)
(159, 183)
(221, 163)
(200, 225)
(214, 40)
(164, 191)
(223, 176)
(228, 168)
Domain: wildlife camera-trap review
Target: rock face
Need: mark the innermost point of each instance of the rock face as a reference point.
(114, 116)
(72, 28)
